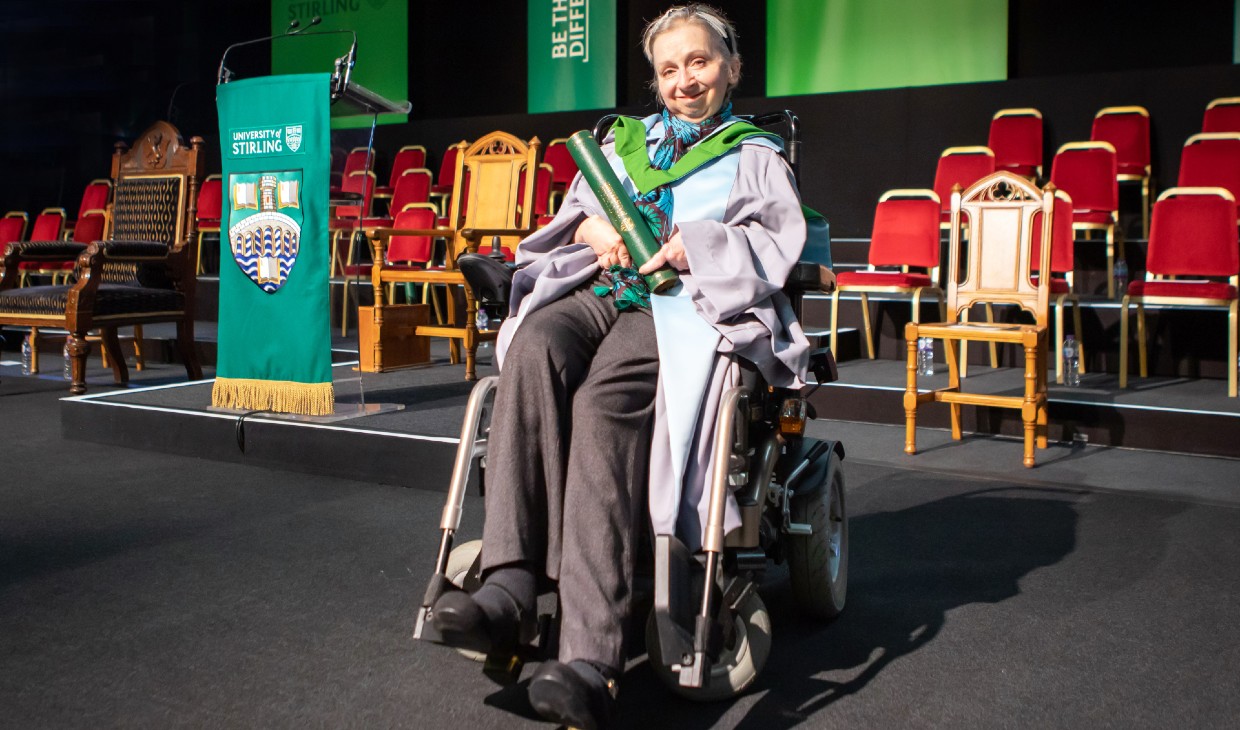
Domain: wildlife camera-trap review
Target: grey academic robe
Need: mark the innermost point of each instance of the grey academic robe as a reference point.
(737, 268)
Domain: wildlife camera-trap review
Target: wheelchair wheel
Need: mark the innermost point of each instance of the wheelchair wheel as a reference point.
(818, 563)
(460, 560)
(738, 665)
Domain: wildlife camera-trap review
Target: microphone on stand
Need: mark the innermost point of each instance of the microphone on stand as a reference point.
(224, 75)
(295, 28)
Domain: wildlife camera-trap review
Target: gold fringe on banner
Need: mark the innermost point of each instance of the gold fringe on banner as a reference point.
(282, 396)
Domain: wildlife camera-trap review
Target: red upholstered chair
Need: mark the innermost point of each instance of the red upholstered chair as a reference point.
(13, 227)
(413, 186)
(1087, 172)
(1212, 160)
(542, 190)
(209, 211)
(413, 252)
(409, 157)
(345, 227)
(961, 166)
(1222, 115)
(1127, 128)
(563, 169)
(905, 236)
(445, 180)
(96, 196)
(1193, 235)
(49, 225)
(359, 159)
(1016, 138)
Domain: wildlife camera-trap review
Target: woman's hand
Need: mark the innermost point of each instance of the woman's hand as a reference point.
(672, 253)
(598, 232)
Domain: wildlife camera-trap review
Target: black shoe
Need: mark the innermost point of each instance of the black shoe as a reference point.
(578, 696)
(462, 623)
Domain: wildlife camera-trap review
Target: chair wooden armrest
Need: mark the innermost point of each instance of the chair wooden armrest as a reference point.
(475, 235)
(384, 234)
(131, 251)
(43, 251)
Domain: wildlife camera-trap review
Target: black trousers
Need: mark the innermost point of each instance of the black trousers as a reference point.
(567, 461)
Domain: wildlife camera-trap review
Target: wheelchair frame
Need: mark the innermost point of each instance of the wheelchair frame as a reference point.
(692, 629)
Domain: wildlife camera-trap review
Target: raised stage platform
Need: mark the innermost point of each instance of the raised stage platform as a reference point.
(415, 446)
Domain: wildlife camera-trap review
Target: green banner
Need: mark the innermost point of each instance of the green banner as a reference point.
(821, 46)
(572, 55)
(274, 350)
(382, 28)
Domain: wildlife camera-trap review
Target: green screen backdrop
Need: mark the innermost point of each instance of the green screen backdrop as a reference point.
(572, 55)
(382, 47)
(821, 46)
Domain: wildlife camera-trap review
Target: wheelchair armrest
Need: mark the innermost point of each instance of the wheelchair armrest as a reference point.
(822, 365)
(490, 280)
(808, 276)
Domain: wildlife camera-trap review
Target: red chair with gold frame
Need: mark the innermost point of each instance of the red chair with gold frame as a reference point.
(408, 157)
(961, 166)
(445, 180)
(210, 211)
(1212, 159)
(1193, 234)
(1087, 171)
(1001, 210)
(905, 236)
(413, 186)
(1127, 128)
(1222, 115)
(1016, 138)
(563, 170)
(96, 196)
(13, 227)
(542, 190)
(49, 226)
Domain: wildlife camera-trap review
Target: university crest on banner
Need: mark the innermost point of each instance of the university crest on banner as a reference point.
(264, 224)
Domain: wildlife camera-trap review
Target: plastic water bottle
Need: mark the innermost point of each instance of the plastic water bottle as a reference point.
(925, 356)
(1071, 362)
(27, 354)
(68, 362)
(1121, 277)
(484, 323)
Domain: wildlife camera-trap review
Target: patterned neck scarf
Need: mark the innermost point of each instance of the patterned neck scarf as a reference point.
(678, 136)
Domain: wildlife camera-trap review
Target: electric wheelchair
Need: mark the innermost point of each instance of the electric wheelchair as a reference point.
(708, 634)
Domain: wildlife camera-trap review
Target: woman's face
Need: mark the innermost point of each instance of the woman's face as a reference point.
(693, 71)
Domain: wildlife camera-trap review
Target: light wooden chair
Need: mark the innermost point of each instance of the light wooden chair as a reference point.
(1000, 210)
(484, 208)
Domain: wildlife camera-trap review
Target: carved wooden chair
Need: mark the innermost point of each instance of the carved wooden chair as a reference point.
(1000, 209)
(484, 208)
(142, 272)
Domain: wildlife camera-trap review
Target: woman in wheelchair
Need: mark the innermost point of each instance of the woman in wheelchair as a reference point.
(605, 408)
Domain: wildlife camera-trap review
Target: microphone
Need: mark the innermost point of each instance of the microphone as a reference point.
(294, 27)
(224, 75)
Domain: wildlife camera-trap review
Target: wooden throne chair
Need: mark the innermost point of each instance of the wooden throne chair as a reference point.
(143, 272)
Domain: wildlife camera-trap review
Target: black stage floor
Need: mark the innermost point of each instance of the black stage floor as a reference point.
(148, 589)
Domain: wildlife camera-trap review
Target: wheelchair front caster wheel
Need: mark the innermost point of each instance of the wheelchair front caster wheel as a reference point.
(460, 561)
(738, 665)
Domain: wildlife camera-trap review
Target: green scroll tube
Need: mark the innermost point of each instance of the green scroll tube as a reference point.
(619, 209)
